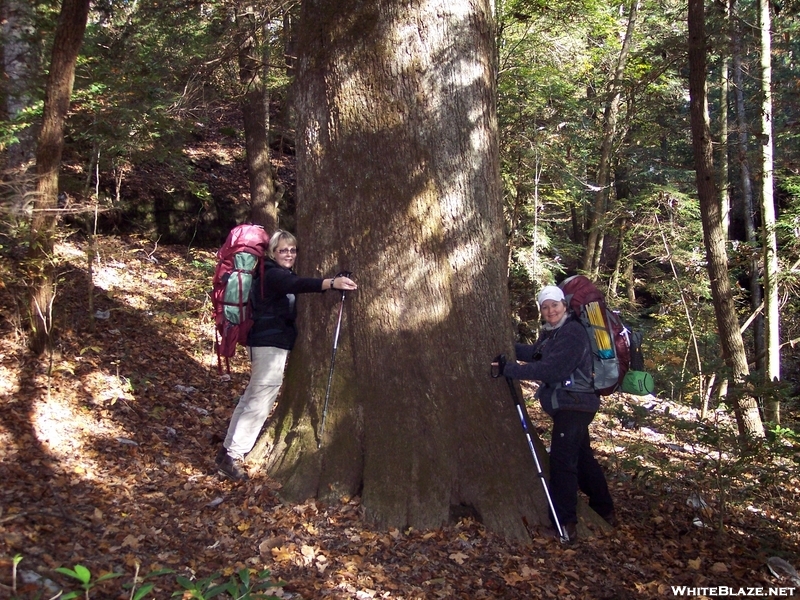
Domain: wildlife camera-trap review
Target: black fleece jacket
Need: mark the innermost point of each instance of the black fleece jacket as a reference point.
(552, 360)
(275, 307)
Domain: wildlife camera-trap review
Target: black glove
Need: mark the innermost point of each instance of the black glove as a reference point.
(498, 365)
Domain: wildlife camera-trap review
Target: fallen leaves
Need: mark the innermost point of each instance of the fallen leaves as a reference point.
(458, 557)
(719, 568)
(126, 481)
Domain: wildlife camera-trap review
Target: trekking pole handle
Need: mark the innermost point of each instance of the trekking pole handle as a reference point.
(498, 366)
(340, 274)
(344, 274)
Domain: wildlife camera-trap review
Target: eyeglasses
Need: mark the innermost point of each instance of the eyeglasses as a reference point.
(286, 251)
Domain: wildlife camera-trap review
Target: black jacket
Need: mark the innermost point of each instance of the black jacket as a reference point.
(275, 307)
(552, 360)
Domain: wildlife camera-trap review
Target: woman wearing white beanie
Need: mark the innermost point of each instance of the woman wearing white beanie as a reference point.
(563, 348)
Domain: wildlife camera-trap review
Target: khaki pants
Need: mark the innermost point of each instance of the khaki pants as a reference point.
(266, 375)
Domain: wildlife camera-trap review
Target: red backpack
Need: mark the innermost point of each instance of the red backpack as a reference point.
(608, 336)
(237, 261)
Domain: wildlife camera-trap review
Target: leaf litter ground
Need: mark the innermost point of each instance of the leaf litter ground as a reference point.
(106, 459)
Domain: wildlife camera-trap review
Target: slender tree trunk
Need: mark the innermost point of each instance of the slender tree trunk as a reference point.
(538, 169)
(630, 281)
(21, 65)
(622, 193)
(613, 283)
(398, 181)
(772, 368)
(66, 44)
(253, 74)
(745, 197)
(746, 211)
(745, 407)
(724, 169)
(21, 57)
(591, 257)
(577, 223)
(284, 119)
(289, 40)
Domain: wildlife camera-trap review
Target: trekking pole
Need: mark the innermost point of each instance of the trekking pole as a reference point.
(333, 361)
(562, 534)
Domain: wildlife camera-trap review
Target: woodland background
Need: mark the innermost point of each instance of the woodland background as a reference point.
(160, 159)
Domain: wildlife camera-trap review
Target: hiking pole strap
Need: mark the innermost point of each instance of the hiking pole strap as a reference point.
(219, 357)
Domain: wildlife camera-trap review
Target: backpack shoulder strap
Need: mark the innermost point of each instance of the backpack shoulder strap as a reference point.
(578, 381)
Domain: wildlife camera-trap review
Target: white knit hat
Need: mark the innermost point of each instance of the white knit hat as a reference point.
(550, 292)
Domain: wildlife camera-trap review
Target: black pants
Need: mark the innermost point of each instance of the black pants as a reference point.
(573, 466)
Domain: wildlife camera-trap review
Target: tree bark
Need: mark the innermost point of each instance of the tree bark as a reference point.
(745, 407)
(398, 181)
(66, 44)
(745, 212)
(622, 192)
(619, 260)
(21, 58)
(772, 368)
(740, 213)
(253, 75)
(724, 170)
(630, 282)
(593, 252)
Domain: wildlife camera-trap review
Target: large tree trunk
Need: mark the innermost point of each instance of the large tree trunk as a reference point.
(772, 367)
(66, 44)
(253, 74)
(745, 407)
(398, 181)
(593, 252)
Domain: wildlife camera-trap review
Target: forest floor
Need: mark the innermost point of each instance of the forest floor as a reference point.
(106, 460)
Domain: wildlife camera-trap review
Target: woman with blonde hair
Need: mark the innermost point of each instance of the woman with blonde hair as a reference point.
(269, 342)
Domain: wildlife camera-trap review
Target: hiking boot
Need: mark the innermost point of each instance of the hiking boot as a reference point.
(611, 518)
(221, 454)
(232, 468)
(570, 529)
